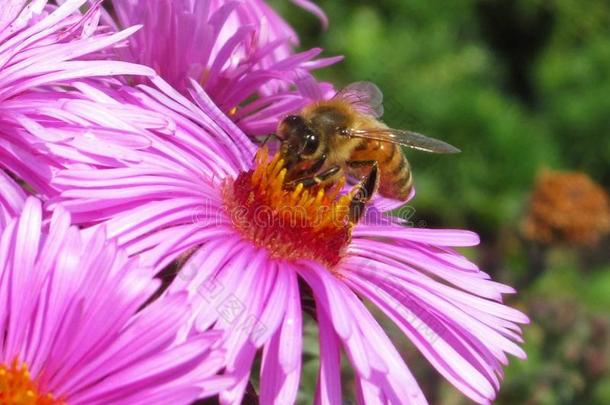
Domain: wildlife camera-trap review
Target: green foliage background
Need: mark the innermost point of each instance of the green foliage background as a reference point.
(518, 86)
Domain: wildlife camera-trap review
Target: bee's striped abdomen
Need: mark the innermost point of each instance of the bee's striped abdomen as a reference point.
(396, 180)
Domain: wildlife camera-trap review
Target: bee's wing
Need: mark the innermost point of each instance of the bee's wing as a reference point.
(405, 138)
(364, 97)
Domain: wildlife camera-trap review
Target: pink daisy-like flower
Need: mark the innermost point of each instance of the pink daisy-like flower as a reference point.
(235, 50)
(44, 50)
(202, 193)
(70, 330)
(12, 198)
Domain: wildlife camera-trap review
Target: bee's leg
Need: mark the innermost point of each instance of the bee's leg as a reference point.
(306, 173)
(315, 167)
(317, 179)
(364, 189)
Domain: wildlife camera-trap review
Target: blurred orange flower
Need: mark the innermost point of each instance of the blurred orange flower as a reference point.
(567, 207)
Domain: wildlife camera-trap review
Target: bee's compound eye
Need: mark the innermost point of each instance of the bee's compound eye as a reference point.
(311, 143)
(293, 119)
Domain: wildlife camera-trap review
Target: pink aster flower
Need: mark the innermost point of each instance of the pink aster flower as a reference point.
(12, 198)
(201, 194)
(235, 50)
(70, 330)
(44, 51)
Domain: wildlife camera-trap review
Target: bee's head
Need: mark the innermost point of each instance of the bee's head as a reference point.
(299, 139)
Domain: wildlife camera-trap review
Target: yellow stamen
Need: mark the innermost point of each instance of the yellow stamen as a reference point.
(18, 388)
(297, 223)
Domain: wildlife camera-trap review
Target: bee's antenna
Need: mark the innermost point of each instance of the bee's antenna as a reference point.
(267, 139)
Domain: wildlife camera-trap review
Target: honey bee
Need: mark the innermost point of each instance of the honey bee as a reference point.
(343, 136)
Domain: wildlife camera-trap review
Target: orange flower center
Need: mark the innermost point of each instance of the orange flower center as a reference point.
(17, 387)
(299, 223)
